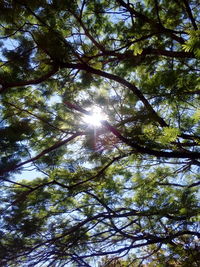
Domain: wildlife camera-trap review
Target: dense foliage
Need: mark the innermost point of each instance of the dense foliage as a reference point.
(122, 193)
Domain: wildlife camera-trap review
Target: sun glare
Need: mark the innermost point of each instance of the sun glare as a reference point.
(95, 118)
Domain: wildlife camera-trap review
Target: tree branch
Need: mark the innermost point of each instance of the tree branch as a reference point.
(135, 146)
(144, 18)
(35, 116)
(44, 152)
(189, 12)
(124, 82)
(6, 85)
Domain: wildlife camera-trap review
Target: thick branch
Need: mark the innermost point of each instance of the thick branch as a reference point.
(146, 150)
(6, 85)
(167, 53)
(189, 12)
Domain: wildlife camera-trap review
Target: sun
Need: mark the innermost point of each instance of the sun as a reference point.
(95, 118)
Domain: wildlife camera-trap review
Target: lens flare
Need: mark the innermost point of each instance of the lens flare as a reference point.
(95, 118)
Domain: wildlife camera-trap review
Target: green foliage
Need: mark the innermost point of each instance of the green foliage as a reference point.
(125, 192)
(193, 43)
(169, 135)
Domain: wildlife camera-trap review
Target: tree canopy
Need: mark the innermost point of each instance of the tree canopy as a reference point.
(120, 189)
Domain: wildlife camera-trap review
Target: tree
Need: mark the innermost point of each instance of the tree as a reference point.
(125, 191)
